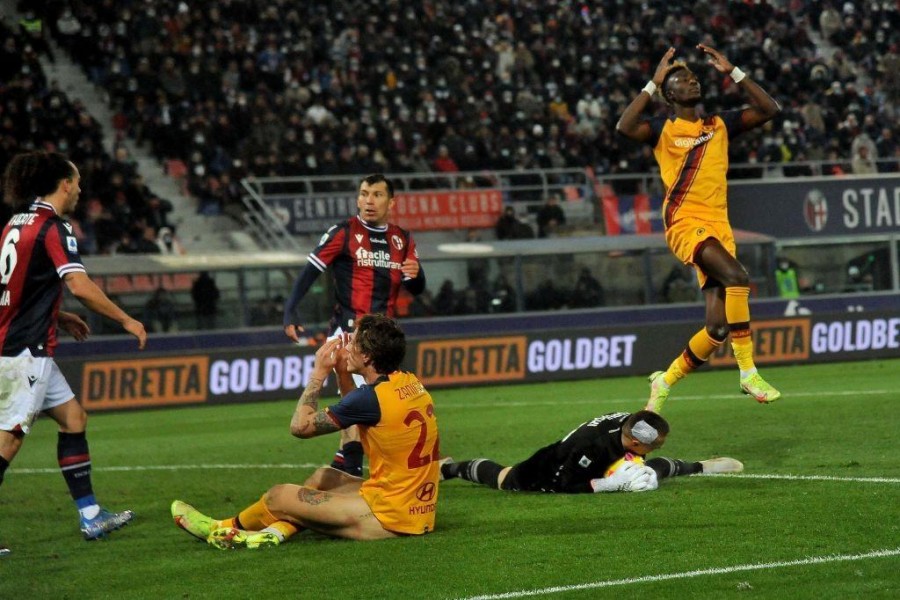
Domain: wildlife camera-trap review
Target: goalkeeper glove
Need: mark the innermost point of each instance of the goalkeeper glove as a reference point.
(630, 477)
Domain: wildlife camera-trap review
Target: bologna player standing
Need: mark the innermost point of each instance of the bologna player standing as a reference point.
(692, 152)
(38, 253)
(370, 259)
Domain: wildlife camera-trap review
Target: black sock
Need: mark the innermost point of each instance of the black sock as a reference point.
(75, 464)
(349, 459)
(4, 464)
(479, 470)
(672, 467)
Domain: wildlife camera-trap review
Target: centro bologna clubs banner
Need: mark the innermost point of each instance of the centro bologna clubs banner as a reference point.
(417, 211)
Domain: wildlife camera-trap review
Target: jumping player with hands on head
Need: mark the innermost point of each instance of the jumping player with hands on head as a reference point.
(692, 153)
(370, 259)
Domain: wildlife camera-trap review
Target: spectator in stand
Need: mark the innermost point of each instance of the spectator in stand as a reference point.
(159, 312)
(588, 291)
(862, 163)
(167, 242)
(34, 30)
(445, 302)
(205, 294)
(503, 296)
(510, 227)
(550, 217)
(146, 240)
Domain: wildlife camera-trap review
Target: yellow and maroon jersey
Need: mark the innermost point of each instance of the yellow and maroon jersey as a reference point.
(693, 162)
(399, 434)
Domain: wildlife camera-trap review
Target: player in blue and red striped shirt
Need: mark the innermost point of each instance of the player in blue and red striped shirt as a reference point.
(38, 253)
(370, 259)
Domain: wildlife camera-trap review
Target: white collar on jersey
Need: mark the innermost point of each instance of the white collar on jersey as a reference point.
(381, 228)
(40, 203)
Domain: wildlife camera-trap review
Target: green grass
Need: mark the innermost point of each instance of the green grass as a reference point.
(836, 421)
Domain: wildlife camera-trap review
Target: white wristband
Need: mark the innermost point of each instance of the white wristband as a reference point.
(650, 88)
(737, 75)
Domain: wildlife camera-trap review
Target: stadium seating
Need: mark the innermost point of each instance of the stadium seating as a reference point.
(349, 87)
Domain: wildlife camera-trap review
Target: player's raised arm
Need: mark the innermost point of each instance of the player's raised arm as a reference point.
(308, 420)
(762, 107)
(630, 124)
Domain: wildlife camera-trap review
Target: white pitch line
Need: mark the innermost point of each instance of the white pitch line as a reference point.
(806, 477)
(518, 403)
(813, 560)
(44, 471)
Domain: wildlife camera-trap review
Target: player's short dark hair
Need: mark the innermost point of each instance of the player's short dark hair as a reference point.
(32, 175)
(380, 338)
(665, 82)
(654, 420)
(378, 178)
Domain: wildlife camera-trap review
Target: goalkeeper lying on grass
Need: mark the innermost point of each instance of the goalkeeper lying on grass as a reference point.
(590, 459)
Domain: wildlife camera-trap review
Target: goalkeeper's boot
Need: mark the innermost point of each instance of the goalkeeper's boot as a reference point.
(446, 469)
(659, 391)
(4, 551)
(192, 520)
(722, 464)
(104, 522)
(756, 386)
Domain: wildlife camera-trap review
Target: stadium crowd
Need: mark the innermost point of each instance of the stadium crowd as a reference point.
(345, 87)
(235, 88)
(118, 213)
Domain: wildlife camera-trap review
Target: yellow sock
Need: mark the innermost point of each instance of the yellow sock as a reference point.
(256, 517)
(698, 351)
(229, 522)
(737, 313)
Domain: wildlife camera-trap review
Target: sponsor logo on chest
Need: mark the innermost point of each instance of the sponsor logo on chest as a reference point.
(379, 259)
(692, 142)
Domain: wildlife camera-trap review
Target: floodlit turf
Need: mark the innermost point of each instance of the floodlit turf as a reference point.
(832, 440)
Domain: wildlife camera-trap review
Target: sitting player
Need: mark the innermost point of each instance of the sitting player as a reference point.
(398, 430)
(579, 462)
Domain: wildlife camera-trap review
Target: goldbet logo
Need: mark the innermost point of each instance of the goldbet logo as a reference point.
(773, 342)
(158, 381)
(473, 360)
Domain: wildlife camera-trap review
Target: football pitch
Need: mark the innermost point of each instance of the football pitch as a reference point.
(816, 514)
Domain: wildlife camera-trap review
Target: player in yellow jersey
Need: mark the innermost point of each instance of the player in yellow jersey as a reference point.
(692, 153)
(398, 430)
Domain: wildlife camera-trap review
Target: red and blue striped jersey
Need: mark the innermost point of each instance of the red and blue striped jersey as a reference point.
(38, 249)
(366, 262)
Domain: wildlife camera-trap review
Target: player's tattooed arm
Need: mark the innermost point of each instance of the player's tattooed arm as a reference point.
(303, 421)
(322, 423)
